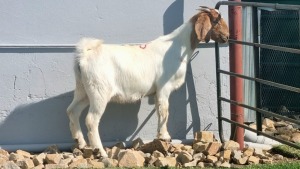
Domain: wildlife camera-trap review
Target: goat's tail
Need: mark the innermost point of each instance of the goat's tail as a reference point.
(87, 48)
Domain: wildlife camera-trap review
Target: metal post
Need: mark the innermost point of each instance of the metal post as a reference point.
(256, 68)
(236, 66)
(220, 125)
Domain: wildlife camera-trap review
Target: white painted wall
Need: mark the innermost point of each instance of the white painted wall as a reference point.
(36, 85)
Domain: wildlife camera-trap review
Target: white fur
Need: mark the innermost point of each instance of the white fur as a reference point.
(126, 73)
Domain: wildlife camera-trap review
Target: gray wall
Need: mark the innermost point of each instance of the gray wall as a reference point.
(36, 85)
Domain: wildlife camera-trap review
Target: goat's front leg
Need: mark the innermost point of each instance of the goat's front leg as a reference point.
(162, 109)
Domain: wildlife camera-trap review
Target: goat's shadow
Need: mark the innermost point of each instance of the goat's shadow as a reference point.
(46, 122)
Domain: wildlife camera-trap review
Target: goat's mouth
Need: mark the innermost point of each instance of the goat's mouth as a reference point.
(223, 39)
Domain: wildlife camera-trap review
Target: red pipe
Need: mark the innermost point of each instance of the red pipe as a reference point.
(236, 66)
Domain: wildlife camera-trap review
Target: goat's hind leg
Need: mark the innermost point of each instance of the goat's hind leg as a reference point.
(80, 101)
(97, 106)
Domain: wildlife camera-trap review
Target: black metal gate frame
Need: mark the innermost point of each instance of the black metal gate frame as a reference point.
(256, 79)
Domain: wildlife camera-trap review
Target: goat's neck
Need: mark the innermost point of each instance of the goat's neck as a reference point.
(185, 37)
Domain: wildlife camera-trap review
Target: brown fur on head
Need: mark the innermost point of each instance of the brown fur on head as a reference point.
(208, 25)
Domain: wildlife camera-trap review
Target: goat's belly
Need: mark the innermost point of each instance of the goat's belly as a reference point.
(121, 98)
(132, 94)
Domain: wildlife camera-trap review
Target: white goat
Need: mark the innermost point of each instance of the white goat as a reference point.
(126, 73)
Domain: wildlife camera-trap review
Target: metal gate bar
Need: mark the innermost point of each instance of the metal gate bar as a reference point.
(256, 79)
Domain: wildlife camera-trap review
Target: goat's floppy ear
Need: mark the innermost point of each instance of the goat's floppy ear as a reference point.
(202, 27)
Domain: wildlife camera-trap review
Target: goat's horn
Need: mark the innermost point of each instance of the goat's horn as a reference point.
(204, 8)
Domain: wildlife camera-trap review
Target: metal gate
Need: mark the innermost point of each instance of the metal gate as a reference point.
(259, 81)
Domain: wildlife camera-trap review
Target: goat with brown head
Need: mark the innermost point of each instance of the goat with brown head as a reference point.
(209, 24)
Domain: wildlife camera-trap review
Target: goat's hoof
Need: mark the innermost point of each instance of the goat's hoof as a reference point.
(164, 137)
(79, 144)
(96, 150)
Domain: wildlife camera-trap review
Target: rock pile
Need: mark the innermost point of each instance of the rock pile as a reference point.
(205, 151)
(281, 129)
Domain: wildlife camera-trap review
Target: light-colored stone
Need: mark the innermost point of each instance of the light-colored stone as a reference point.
(237, 155)
(191, 151)
(109, 162)
(53, 158)
(25, 154)
(213, 148)
(172, 149)
(137, 143)
(25, 163)
(157, 154)
(4, 158)
(191, 163)
(280, 124)
(9, 165)
(165, 161)
(204, 136)
(150, 161)
(77, 152)
(15, 157)
(41, 166)
(200, 147)
(184, 157)
(186, 147)
(77, 158)
(81, 163)
(253, 160)
(178, 146)
(156, 144)
(217, 164)
(199, 156)
(231, 145)
(242, 160)
(248, 152)
(39, 159)
(259, 153)
(95, 163)
(225, 155)
(66, 161)
(200, 164)
(68, 155)
(211, 159)
(253, 126)
(268, 123)
(4, 152)
(130, 158)
(55, 166)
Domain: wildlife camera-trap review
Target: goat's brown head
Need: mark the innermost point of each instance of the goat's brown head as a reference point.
(210, 25)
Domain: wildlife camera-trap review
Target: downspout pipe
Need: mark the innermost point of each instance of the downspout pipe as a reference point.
(236, 66)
